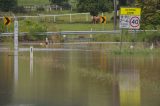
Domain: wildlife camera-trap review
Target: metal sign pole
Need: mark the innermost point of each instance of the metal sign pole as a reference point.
(121, 40)
(115, 14)
(135, 37)
(7, 29)
(16, 34)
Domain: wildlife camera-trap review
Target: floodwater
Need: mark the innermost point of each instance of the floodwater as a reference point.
(78, 75)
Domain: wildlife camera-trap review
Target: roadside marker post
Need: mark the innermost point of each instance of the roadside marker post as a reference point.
(15, 34)
(31, 52)
(31, 61)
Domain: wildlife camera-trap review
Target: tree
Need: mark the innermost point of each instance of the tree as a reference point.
(122, 2)
(126, 2)
(58, 2)
(7, 5)
(94, 6)
(150, 13)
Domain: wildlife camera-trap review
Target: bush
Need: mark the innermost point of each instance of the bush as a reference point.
(40, 9)
(33, 29)
(19, 9)
(66, 5)
(2, 29)
(154, 38)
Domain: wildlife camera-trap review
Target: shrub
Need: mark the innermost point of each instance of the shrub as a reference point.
(19, 9)
(34, 28)
(40, 9)
(153, 38)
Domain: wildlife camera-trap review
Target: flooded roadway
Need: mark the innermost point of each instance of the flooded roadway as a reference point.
(79, 75)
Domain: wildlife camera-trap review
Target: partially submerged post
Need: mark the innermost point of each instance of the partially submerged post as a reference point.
(15, 34)
(15, 50)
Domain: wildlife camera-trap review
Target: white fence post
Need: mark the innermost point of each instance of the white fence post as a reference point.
(91, 34)
(102, 14)
(70, 18)
(87, 17)
(54, 18)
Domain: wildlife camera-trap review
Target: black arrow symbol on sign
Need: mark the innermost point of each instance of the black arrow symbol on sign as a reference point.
(8, 21)
(103, 19)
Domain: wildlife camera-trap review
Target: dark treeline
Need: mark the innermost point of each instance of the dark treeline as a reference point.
(8, 5)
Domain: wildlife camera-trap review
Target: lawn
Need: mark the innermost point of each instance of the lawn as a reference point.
(81, 27)
(80, 22)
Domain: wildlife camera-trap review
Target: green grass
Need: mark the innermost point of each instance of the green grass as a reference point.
(140, 51)
(70, 27)
(79, 22)
(80, 27)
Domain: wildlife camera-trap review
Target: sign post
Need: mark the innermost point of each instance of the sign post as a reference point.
(7, 21)
(129, 19)
(15, 50)
(103, 19)
(15, 34)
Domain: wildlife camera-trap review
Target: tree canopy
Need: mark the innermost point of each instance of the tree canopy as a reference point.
(7, 5)
(94, 6)
(150, 13)
(58, 2)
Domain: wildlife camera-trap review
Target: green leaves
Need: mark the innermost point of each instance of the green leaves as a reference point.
(34, 28)
(94, 6)
(150, 13)
(58, 2)
(7, 5)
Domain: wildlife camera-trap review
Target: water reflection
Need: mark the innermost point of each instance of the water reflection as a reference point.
(116, 91)
(129, 83)
(16, 67)
(129, 88)
(31, 61)
(6, 78)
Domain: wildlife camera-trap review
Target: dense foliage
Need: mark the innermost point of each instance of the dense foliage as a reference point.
(33, 29)
(58, 2)
(7, 5)
(150, 18)
(94, 6)
(126, 2)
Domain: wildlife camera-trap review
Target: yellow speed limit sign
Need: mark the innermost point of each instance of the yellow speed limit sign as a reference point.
(130, 11)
